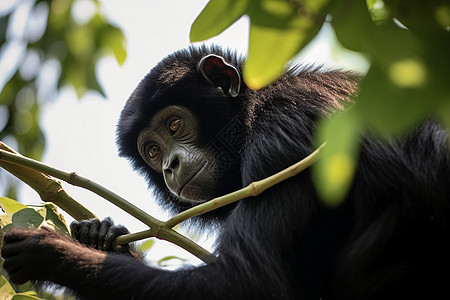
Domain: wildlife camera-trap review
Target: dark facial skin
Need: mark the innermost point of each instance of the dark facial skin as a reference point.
(171, 145)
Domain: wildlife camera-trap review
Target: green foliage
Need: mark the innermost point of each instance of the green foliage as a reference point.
(8, 292)
(277, 26)
(21, 216)
(217, 16)
(23, 292)
(407, 42)
(59, 51)
(163, 262)
(334, 170)
(146, 245)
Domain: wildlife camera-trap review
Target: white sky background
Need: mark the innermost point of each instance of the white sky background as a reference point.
(81, 133)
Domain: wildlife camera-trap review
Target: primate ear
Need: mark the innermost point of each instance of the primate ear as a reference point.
(220, 74)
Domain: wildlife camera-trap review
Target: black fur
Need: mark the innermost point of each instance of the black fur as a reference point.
(175, 81)
(388, 240)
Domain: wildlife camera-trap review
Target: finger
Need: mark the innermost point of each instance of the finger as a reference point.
(103, 231)
(83, 237)
(75, 229)
(93, 233)
(109, 239)
(119, 230)
(11, 264)
(16, 235)
(112, 234)
(125, 248)
(19, 277)
(9, 250)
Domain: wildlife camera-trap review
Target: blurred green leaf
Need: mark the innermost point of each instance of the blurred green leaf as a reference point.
(147, 245)
(59, 15)
(378, 10)
(384, 42)
(75, 47)
(163, 262)
(80, 42)
(282, 28)
(114, 39)
(333, 172)
(217, 16)
(392, 101)
(420, 16)
(444, 114)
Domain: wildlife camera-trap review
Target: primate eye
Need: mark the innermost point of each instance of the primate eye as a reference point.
(174, 125)
(153, 151)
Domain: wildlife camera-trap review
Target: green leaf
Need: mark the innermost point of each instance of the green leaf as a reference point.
(421, 17)
(27, 218)
(6, 290)
(163, 261)
(384, 43)
(27, 289)
(217, 16)
(91, 80)
(23, 296)
(112, 38)
(278, 31)
(378, 10)
(333, 172)
(11, 206)
(444, 114)
(395, 99)
(53, 218)
(5, 221)
(80, 42)
(353, 25)
(147, 245)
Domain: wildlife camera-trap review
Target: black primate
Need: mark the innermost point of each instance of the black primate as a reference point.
(195, 131)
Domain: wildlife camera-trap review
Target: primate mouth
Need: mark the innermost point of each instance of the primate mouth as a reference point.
(186, 189)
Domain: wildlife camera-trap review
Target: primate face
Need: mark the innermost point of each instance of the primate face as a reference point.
(171, 145)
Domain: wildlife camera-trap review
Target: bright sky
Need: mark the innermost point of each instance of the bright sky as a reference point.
(81, 133)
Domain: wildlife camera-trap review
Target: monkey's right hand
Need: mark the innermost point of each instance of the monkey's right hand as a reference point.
(100, 235)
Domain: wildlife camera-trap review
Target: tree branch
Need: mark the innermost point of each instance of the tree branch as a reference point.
(48, 189)
(157, 227)
(253, 189)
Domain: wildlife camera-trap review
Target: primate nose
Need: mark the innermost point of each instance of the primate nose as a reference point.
(171, 172)
(173, 165)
